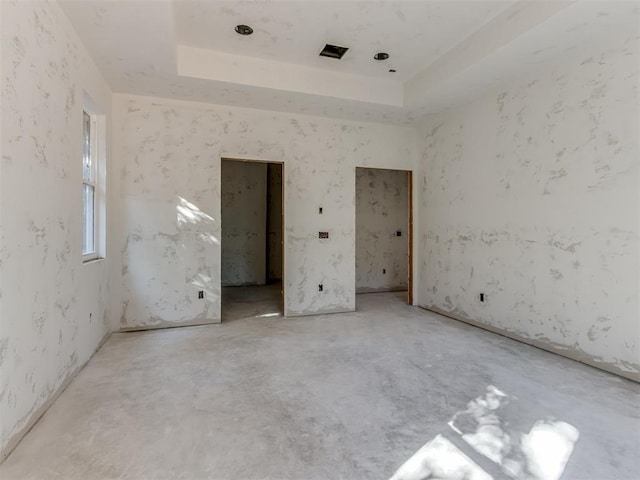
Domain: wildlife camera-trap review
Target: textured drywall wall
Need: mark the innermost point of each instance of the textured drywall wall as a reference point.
(530, 195)
(274, 222)
(168, 209)
(382, 209)
(167, 150)
(54, 308)
(244, 223)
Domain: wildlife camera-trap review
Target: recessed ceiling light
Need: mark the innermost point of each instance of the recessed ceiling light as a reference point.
(244, 29)
(381, 56)
(333, 51)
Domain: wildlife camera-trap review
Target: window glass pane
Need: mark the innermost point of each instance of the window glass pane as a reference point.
(88, 240)
(86, 143)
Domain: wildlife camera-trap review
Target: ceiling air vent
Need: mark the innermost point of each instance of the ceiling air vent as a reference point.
(333, 51)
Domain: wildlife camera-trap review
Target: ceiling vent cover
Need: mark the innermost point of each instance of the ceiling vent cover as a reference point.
(333, 51)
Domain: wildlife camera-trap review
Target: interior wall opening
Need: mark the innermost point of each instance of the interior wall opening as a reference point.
(252, 239)
(384, 232)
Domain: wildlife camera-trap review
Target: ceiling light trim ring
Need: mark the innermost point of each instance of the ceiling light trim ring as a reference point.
(243, 29)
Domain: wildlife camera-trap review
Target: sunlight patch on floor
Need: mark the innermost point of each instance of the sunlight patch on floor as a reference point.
(439, 458)
(540, 454)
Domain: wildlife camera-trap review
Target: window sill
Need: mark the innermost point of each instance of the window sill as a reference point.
(92, 260)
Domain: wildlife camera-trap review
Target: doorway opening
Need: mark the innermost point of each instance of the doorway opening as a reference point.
(252, 211)
(384, 232)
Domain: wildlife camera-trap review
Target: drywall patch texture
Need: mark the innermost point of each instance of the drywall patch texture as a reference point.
(244, 223)
(530, 195)
(169, 212)
(54, 308)
(382, 210)
(169, 149)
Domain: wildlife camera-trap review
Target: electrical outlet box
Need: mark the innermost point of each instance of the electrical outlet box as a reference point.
(399, 233)
(483, 297)
(384, 271)
(320, 210)
(323, 234)
(320, 288)
(201, 294)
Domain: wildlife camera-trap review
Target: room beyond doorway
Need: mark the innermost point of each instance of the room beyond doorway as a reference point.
(383, 231)
(252, 239)
(253, 301)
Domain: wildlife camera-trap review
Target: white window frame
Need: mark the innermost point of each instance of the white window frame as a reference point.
(91, 181)
(97, 152)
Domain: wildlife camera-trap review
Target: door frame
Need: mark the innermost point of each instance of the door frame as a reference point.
(409, 173)
(410, 195)
(282, 213)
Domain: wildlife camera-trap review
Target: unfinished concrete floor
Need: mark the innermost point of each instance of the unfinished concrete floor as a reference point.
(261, 301)
(336, 396)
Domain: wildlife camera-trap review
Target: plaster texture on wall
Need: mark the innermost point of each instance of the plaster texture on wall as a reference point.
(54, 309)
(382, 209)
(167, 150)
(530, 195)
(244, 223)
(168, 207)
(274, 222)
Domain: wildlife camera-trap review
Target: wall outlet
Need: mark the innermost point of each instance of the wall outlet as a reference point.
(384, 271)
(320, 210)
(399, 233)
(201, 294)
(483, 297)
(320, 288)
